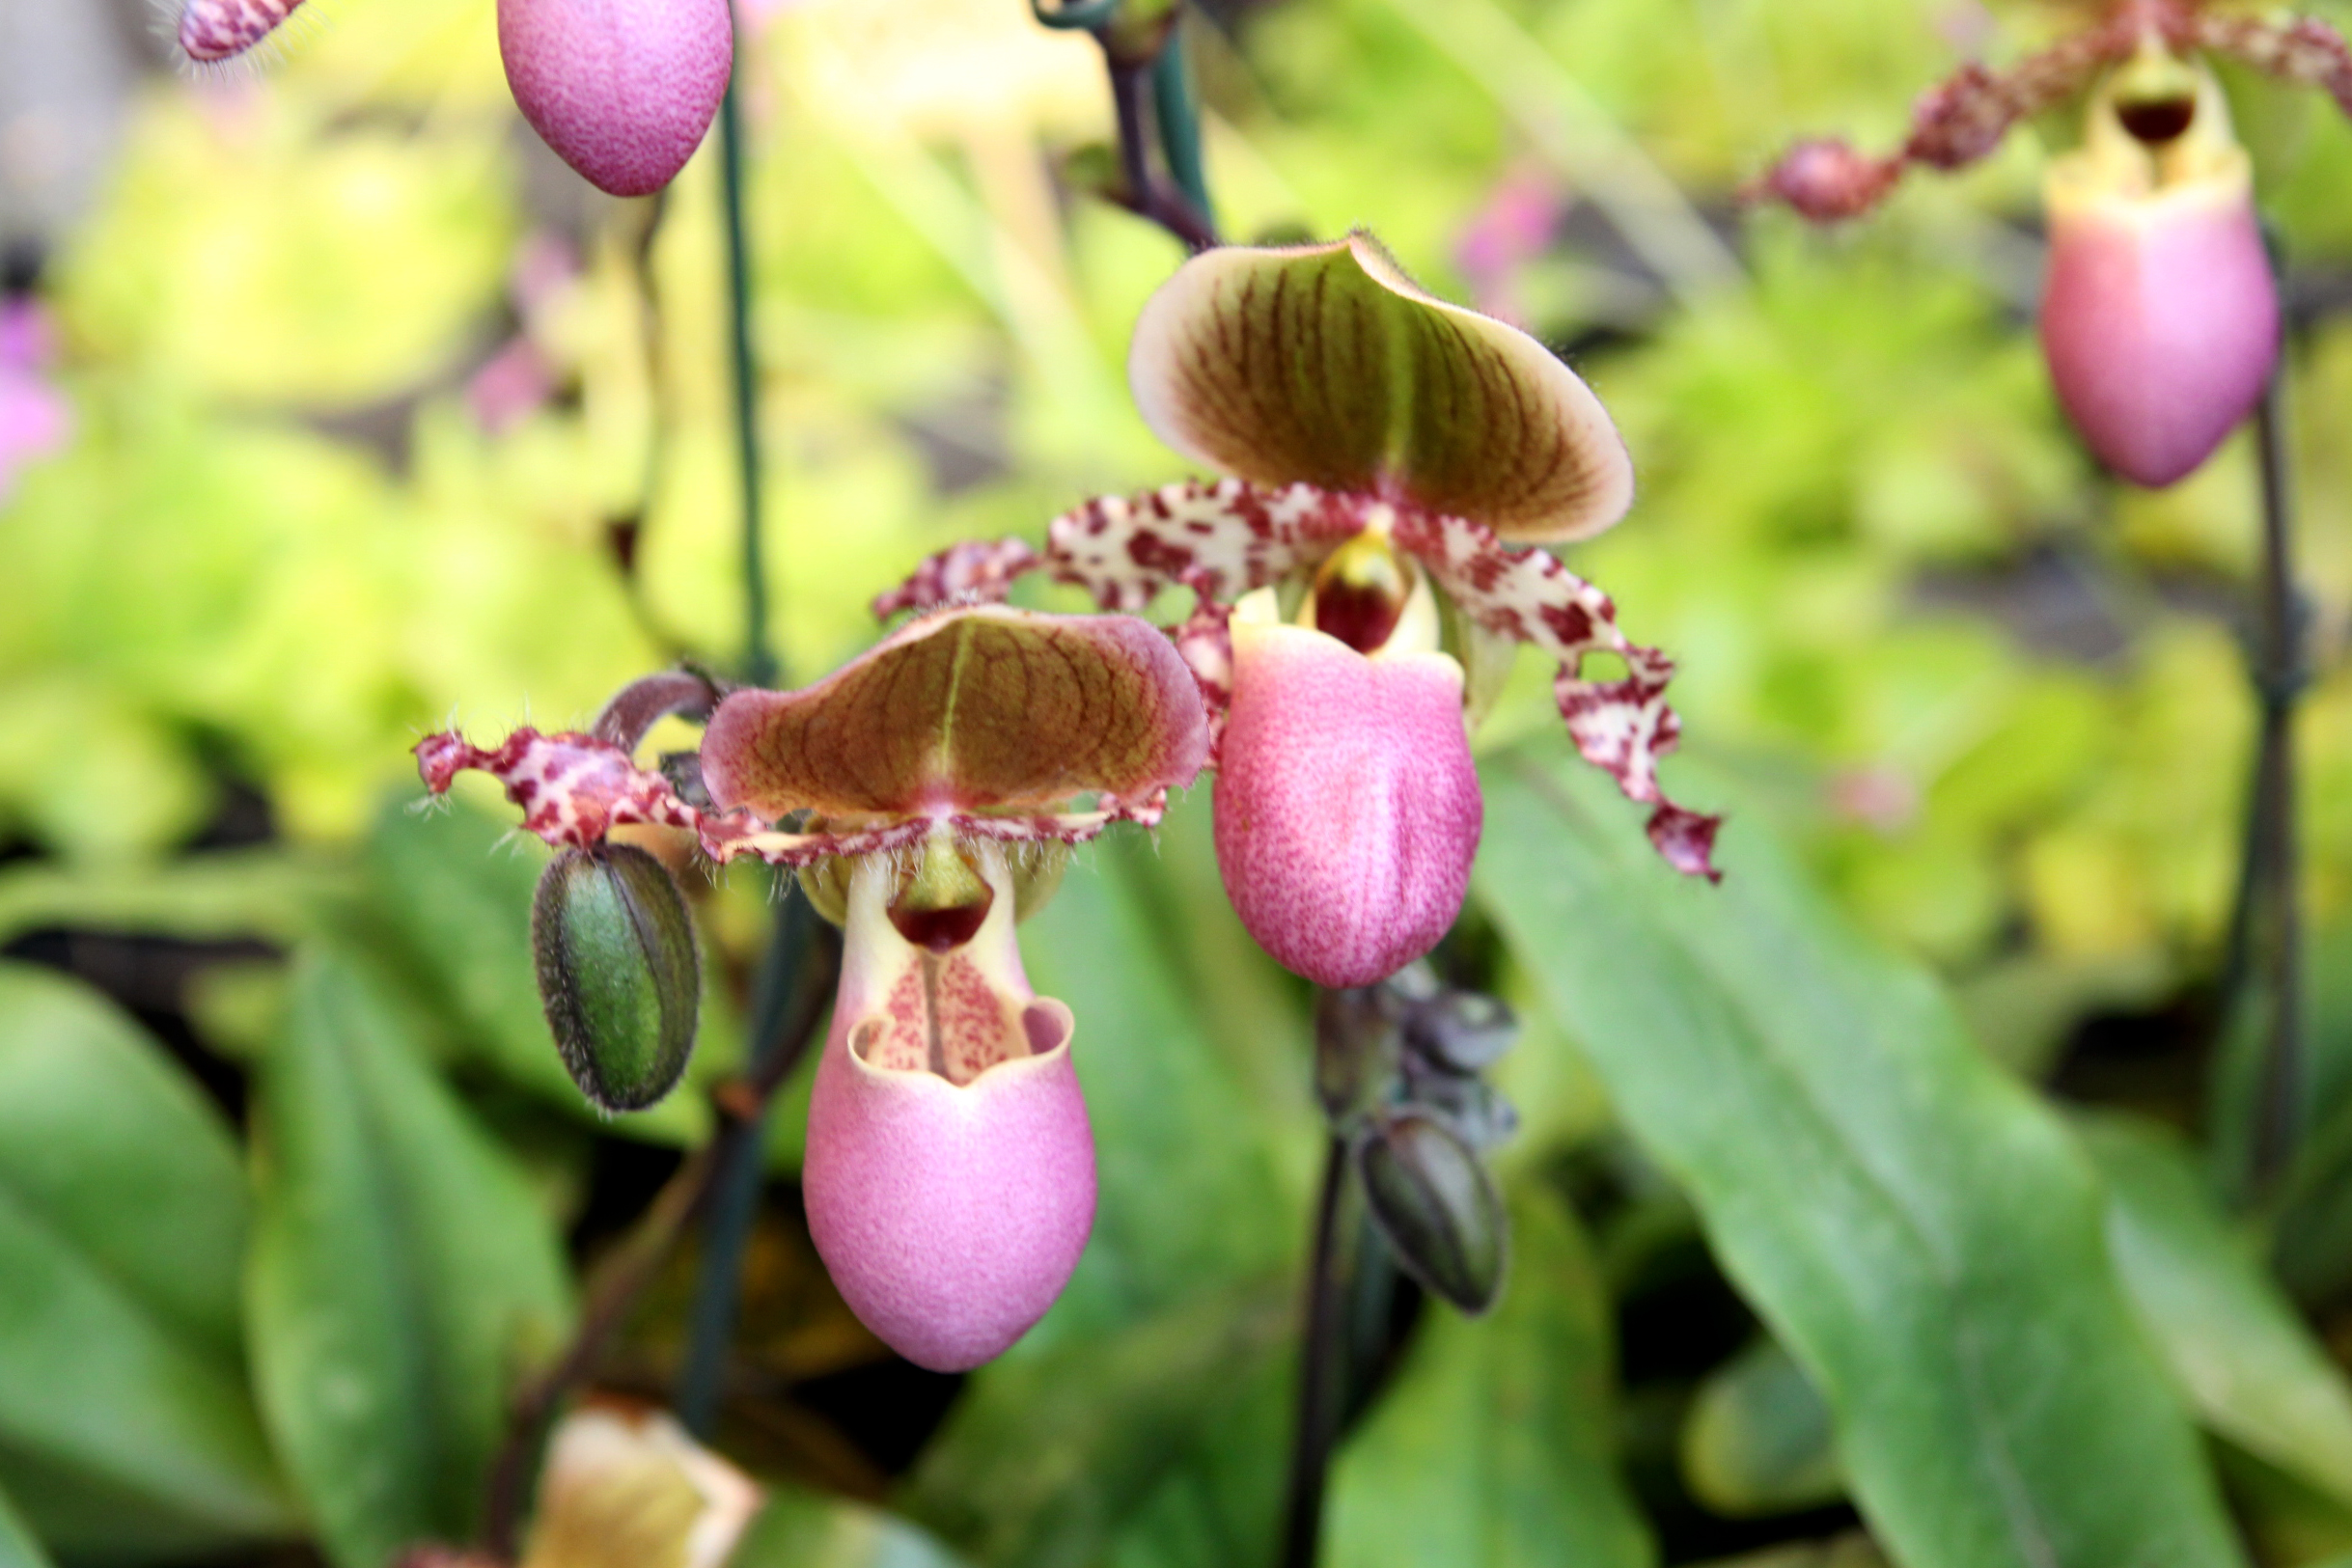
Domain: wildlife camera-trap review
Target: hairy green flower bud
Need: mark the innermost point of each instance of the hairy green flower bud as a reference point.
(618, 972)
(1438, 1206)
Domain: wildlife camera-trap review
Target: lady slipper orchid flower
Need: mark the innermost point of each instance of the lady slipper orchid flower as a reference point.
(950, 1171)
(2160, 319)
(1388, 458)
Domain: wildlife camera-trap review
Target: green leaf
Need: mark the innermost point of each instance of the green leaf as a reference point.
(2249, 1366)
(126, 1429)
(1219, 1506)
(805, 1529)
(1759, 1439)
(1494, 1446)
(17, 1547)
(1913, 1225)
(210, 896)
(1049, 1454)
(401, 1274)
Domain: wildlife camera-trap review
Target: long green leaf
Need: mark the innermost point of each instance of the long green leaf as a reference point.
(1049, 1455)
(220, 893)
(2254, 1370)
(1495, 1444)
(804, 1530)
(126, 1429)
(1918, 1231)
(402, 1272)
(17, 1547)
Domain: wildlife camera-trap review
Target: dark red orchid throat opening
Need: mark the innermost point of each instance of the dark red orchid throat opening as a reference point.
(1360, 593)
(944, 1017)
(2157, 120)
(943, 900)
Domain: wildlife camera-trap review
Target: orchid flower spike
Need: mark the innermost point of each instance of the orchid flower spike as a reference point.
(930, 786)
(2160, 319)
(624, 89)
(1361, 584)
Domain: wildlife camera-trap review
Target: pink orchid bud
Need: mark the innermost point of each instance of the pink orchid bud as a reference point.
(2161, 318)
(1348, 808)
(622, 90)
(950, 1177)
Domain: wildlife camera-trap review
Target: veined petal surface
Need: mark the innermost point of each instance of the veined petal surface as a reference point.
(1324, 364)
(981, 709)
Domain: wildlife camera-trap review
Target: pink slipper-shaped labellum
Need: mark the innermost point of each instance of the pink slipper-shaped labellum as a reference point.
(949, 1176)
(213, 31)
(2160, 319)
(624, 89)
(1348, 808)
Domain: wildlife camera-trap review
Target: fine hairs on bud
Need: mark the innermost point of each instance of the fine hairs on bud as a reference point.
(215, 34)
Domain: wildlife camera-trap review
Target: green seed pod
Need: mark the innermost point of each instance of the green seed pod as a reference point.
(618, 972)
(1438, 1206)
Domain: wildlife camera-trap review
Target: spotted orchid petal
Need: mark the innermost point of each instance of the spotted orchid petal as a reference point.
(1324, 364)
(1220, 540)
(1621, 727)
(622, 90)
(2161, 318)
(985, 720)
(950, 1175)
(574, 789)
(983, 709)
(973, 572)
(211, 32)
(1348, 807)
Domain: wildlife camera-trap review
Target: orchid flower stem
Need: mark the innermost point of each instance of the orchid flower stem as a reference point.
(782, 1023)
(1178, 112)
(1319, 1370)
(1131, 96)
(759, 663)
(2266, 935)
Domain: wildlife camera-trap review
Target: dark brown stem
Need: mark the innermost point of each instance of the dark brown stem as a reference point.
(620, 1280)
(1146, 196)
(2267, 935)
(1318, 1374)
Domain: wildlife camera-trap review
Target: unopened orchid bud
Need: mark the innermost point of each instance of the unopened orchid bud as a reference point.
(1348, 807)
(618, 972)
(1438, 1206)
(624, 89)
(949, 1176)
(213, 32)
(2160, 319)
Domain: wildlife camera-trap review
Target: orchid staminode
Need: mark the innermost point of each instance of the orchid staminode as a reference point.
(950, 1175)
(1387, 458)
(2160, 319)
